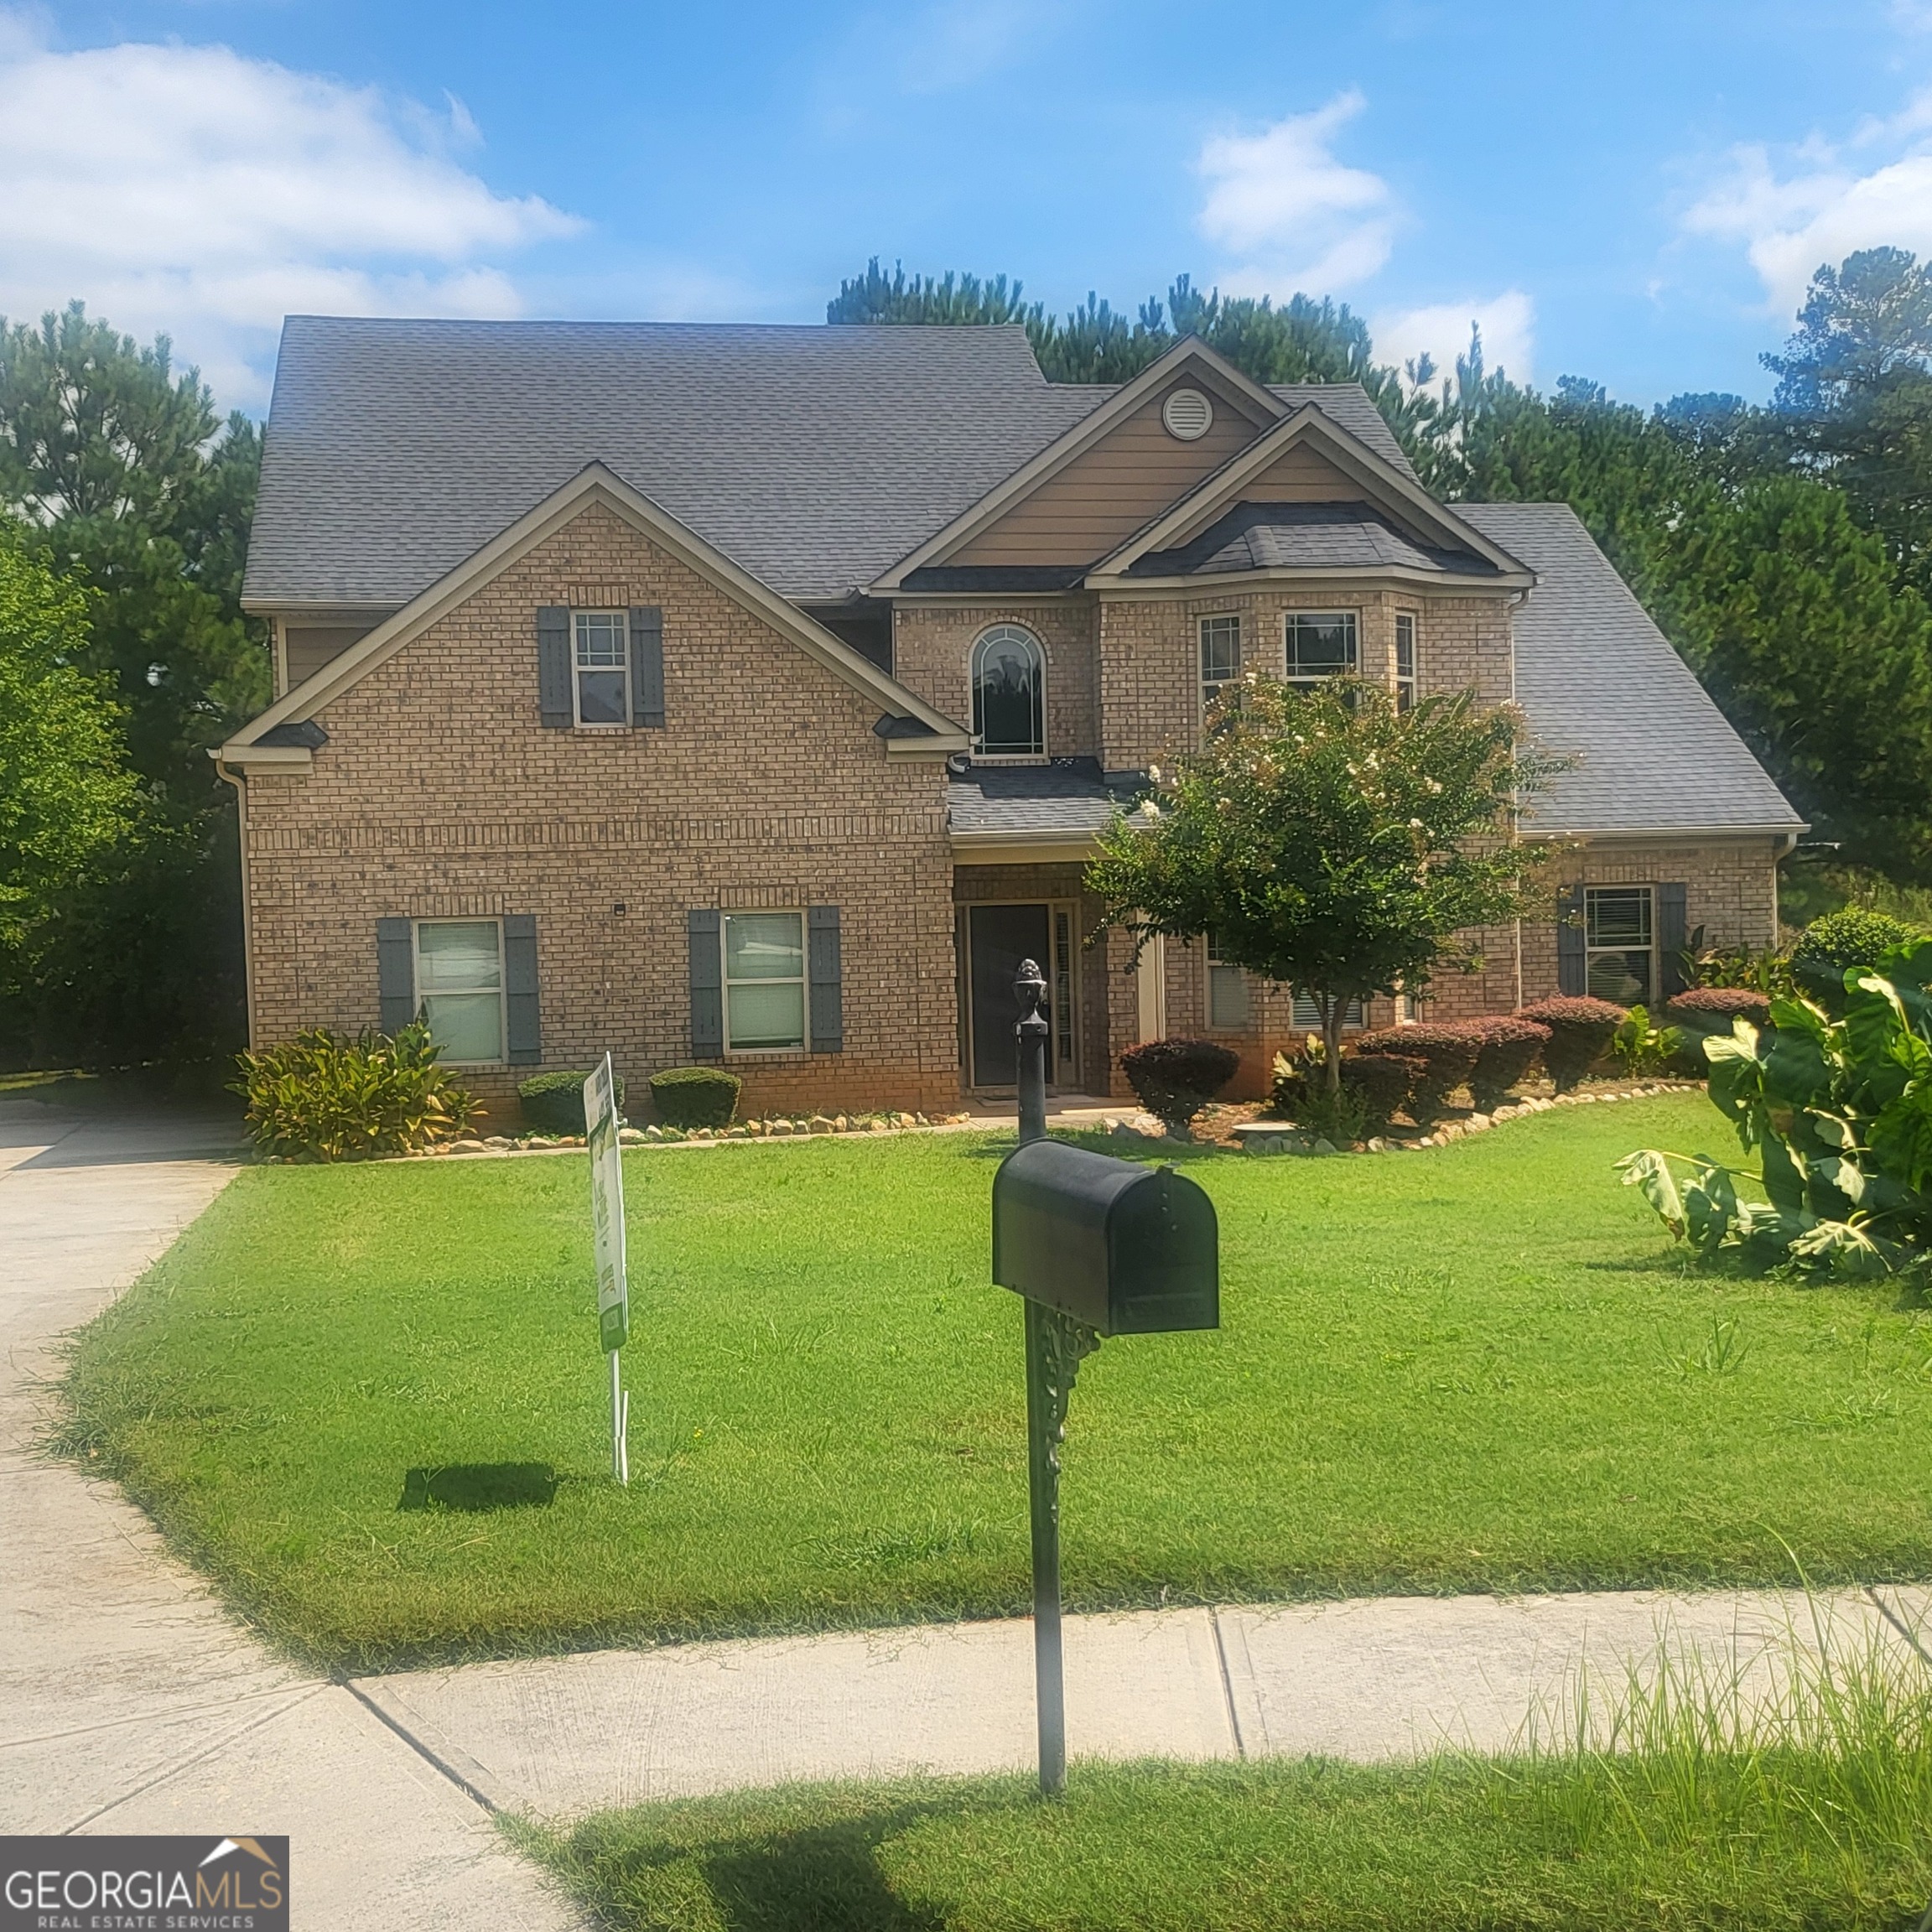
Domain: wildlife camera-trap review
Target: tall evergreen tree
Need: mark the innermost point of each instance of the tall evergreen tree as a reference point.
(121, 476)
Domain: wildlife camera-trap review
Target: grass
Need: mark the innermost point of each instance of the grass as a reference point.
(1688, 1808)
(367, 1399)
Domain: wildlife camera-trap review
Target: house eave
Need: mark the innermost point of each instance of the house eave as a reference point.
(1210, 584)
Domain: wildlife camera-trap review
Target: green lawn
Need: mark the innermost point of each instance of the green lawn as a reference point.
(1755, 1842)
(1476, 1368)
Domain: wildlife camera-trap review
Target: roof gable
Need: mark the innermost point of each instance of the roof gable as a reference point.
(1104, 476)
(1297, 461)
(922, 730)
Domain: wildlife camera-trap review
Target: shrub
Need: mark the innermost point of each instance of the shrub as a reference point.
(1641, 1048)
(332, 1097)
(695, 1096)
(1581, 1030)
(1176, 1078)
(1833, 945)
(1839, 1111)
(1507, 1046)
(553, 1102)
(1375, 1086)
(1448, 1057)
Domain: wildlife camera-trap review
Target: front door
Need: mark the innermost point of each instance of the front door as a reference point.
(997, 938)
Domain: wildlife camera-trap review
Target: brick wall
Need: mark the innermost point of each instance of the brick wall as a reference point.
(440, 795)
(1149, 674)
(932, 654)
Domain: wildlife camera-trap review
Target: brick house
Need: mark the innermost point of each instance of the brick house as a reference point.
(755, 694)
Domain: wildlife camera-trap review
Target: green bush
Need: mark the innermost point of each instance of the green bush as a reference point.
(1580, 1030)
(1176, 1078)
(695, 1096)
(1375, 1086)
(332, 1097)
(553, 1102)
(1507, 1046)
(1839, 1110)
(1448, 1058)
(1840, 941)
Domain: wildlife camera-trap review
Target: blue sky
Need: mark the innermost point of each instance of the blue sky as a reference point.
(1634, 192)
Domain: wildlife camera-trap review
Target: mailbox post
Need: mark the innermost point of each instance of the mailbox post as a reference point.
(1098, 1247)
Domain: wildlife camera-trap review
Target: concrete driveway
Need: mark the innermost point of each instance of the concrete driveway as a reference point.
(129, 1701)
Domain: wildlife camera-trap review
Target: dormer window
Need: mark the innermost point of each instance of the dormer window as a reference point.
(1008, 694)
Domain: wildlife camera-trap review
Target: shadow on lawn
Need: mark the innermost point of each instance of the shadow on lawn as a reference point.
(1165, 1153)
(474, 1487)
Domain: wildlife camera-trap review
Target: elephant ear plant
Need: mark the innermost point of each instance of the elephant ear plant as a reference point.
(1839, 1110)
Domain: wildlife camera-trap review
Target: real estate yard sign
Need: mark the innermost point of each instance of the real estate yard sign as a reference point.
(607, 1235)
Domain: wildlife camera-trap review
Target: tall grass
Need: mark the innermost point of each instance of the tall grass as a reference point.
(1810, 1747)
(1779, 1786)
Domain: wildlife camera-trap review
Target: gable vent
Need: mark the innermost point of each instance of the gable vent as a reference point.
(1187, 415)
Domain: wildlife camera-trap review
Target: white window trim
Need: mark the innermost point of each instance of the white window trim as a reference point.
(1354, 616)
(577, 716)
(1043, 756)
(803, 982)
(1413, 680)
(1201, 624)
(416, 928)
(1654, 950)
(1211, 963)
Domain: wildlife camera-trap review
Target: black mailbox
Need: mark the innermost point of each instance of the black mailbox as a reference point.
(1126, 1249)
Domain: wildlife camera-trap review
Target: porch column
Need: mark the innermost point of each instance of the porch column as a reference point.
(1150, 983)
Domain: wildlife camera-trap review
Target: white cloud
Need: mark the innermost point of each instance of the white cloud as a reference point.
(1291, 215)
(1820, 203)
(1441, 330)
(194, 190)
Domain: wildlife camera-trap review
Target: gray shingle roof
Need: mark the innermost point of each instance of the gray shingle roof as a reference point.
(1287, 536)
(1072, 796)
(814, 456)
(1595, 675)
(1350, 405)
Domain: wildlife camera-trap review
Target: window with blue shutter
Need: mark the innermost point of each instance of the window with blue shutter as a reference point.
(706, 984)
(827, 990)
(554, 705)
(648, 667)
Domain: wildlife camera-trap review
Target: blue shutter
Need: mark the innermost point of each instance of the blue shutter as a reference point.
(823, 970)
(395, 975)
(1673, 937)
(707, 986)
(523, 1046)
(1571, 976)
(648, 667)
(553, 704)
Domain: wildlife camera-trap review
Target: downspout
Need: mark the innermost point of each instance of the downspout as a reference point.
(239, 781)
(1778, 859)
(1515, 605)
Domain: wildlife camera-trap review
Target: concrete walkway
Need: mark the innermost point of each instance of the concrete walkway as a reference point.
(1376, 1678)
(129, 1701)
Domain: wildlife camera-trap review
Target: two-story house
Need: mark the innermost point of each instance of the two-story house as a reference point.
(755, 694)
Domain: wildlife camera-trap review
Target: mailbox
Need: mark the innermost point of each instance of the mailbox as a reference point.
(1125, 1249)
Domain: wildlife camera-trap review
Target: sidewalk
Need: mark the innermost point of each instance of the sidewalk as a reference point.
(1372, 1678)
(129, 1701)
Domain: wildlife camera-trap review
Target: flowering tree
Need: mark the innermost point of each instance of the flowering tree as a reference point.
(1331, 841)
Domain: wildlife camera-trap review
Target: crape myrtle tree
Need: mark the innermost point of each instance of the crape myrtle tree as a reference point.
(1331, 842)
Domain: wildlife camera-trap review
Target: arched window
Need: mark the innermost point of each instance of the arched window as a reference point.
(1009, 694)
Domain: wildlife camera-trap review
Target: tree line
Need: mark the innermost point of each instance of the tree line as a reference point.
(1785, 549)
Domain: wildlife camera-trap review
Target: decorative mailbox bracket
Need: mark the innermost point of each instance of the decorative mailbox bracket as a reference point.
(1098, 1247)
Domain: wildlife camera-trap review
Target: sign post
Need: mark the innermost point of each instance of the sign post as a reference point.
(607, 1233)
